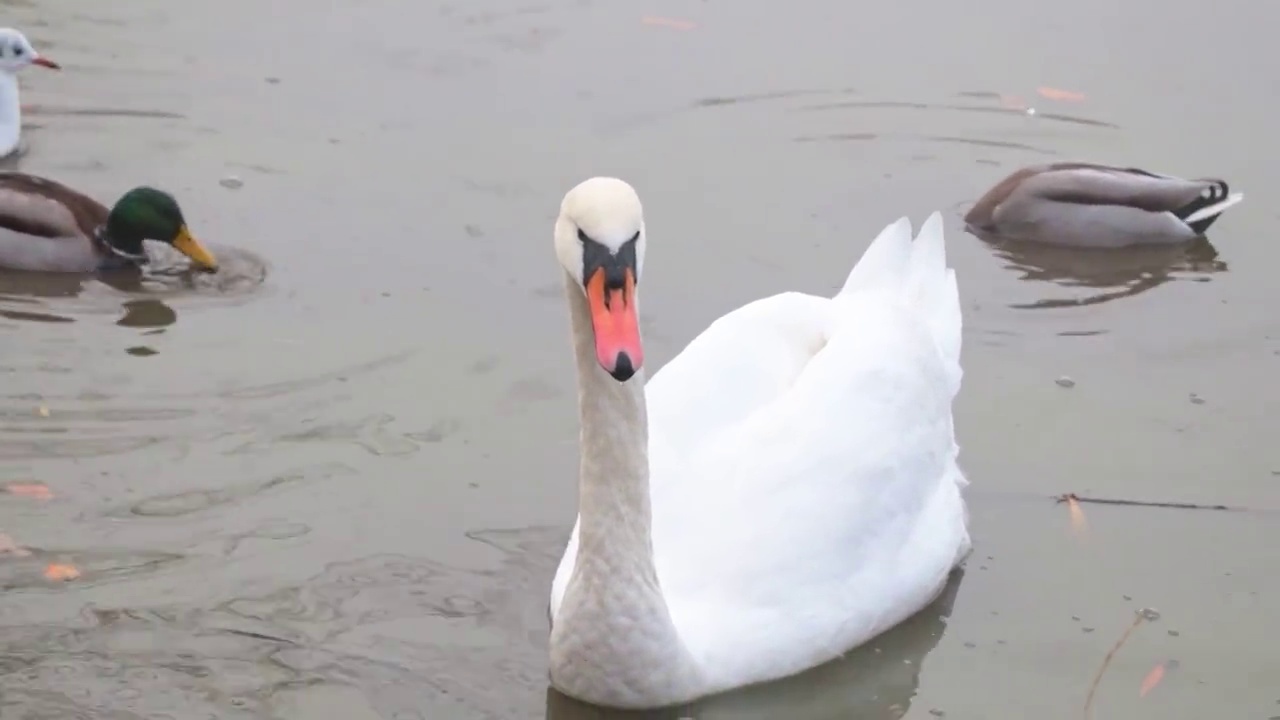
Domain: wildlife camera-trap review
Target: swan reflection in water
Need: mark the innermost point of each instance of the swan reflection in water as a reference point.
(875, 681)
(137, 296)
(1105, 274)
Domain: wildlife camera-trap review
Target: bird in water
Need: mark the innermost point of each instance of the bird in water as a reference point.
(16, 54)
(1088, 205)
(784, 489)
(47, 226)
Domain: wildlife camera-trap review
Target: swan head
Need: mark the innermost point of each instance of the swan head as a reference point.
(600, 243)
(17, 53)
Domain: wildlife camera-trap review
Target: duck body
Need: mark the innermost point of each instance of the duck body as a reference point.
(804, 490)
(1099, 206)
(48, 227)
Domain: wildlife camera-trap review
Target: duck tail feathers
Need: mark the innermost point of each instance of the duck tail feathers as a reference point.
(1212, 201)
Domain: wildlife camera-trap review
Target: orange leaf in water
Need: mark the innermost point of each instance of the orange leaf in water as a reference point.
(1152, 679)
(9, 547)
(37, 491)
(1076, 513)
(1063, 95)
(668, 22)
(57, 571)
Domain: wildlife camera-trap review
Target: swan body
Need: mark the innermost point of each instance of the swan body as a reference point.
(1100, 206)
(783, 490)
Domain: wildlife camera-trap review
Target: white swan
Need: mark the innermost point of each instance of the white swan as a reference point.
(782, 491)
(16, 53)
(793, 491)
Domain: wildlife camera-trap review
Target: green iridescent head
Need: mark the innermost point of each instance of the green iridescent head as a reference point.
(145, 213)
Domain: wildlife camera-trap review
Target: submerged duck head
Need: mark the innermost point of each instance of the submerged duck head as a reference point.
(600, 242)
(145, 213)
(17, 53)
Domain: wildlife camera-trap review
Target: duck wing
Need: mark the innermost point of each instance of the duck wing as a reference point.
(43, 208)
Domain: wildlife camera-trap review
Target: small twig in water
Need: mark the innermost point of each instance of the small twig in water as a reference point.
(258, 635)
(1141, 503)
(1106, 662)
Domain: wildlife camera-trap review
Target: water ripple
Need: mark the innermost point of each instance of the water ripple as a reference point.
(147, 299)
(1104, 275)
(348, 642)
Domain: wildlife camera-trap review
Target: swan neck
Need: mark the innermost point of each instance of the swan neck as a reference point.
(10, 113)
(613, 481)
(613, 641)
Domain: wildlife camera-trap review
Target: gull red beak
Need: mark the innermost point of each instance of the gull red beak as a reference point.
(43, 61)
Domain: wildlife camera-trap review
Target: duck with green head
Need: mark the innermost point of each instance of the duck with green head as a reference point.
(47, 226)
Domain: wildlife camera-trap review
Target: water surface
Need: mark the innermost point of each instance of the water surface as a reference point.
(338, 487)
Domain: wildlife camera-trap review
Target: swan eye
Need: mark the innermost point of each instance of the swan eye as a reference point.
(583, 236)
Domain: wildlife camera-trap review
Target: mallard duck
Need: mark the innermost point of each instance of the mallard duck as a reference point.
(45, 225)
(785, 489)
(1099, 206)
(15, 54)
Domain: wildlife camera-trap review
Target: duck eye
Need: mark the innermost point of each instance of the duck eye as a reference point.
(583, 236)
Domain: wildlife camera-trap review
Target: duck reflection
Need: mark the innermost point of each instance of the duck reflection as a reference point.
(16, 285)
(36, 296)
(874, 682)
(149, 313)
(1105, 274)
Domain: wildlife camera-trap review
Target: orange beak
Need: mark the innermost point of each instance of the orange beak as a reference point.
(613, 319)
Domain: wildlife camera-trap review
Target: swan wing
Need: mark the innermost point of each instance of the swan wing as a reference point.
(742, 361)
(752, 355)
(832, 511)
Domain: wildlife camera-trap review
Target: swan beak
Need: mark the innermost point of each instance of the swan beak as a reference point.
(186, 244)
(614, 322)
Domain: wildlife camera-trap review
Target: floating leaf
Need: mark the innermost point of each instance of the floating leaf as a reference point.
(1152, 679)
(9, 547)
(1076, 513)
(61, 573)
(668, 22)
(42, 411)
(36, 491)
(1063, 95)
